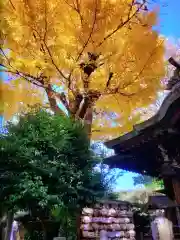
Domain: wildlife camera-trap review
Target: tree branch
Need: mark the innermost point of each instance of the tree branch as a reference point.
(88, 118)
(90, 36)
(39, 82)
(91, 32)
(62, 98)
(53, 62)
(25, 76)
(131, 6)
(150, 56)
(122, 24)
(12, 4)
(109, 79)
(89, 100)
(7, 59)
(84, 108)
(45, 20)
(76, 8)
(76, 103)
(118, 90)
(173, 62)
(52, 100)
(50, 92)
(50, 54)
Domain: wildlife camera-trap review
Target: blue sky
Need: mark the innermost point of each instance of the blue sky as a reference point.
(169, 19)
(125, 182)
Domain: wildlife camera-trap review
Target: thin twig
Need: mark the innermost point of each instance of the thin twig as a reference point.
(45, 20)
(90, 35)
(150, 56)
(132, 4)
(50, 54)
(79, 11)
(7, 59)
(12, 4)
(86, 43)
(36, 82)
(122, 24)
(76, 9)
(118, 90)
(53, 62)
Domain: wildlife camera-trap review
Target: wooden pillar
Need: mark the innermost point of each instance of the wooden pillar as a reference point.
(170, 180)
(170, 186)
(176, 188)
(173, 188)
(169, 190)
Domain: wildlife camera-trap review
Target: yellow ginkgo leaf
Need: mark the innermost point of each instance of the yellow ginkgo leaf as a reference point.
(92, 56)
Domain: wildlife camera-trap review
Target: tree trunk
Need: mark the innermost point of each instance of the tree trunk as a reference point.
(52, 101)
(78, 219)
(88, 121)
(43, 230)
(9, 222)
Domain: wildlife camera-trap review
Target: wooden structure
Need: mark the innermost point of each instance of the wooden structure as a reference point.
(153, 147)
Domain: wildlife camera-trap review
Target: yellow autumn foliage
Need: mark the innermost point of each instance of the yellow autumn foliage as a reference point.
(47, 43)
(18, 96)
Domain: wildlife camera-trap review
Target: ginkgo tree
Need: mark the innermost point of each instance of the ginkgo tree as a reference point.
(99, 59)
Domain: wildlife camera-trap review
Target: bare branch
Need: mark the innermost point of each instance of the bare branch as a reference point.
(150, 56)
(131, 6)
(88, 118)
(12, 4)
(53, 62)
(86, 43)
(173, 62)
(84, 107)
(25, 76)
(76, 9)
(45, 20)
(49, 53)
(125, 94)
(2, 65)
(121, 24)
(90, 34)
(109, 79)
(52, 100)
(62, 98)
(79, 11)
(7, 59)
(39, 80)
(39, 83)
(117, 91)
(74, 106)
